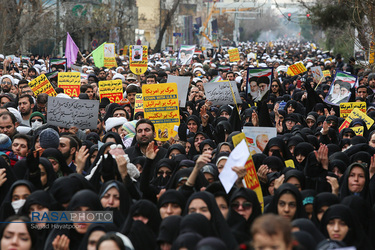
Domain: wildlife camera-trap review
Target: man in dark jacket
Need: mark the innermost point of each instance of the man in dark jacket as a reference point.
(145, 133)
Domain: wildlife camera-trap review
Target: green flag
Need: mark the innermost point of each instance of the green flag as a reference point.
(98, 55)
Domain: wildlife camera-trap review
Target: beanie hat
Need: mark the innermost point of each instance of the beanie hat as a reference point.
(311, 117)
(49, 138)
(371, 77)
(5, 142)
(130, 127)
(36, 113)
(114, 122)
(104, 102)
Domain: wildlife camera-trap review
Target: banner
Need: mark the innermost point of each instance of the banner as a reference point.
(347, 107)
(65, 113)
(71, 50)
(234, 55)
(138, 106)
(326, 73)
(258, 137)
(251, 179)
(58, 63)
(220, 93)
(296, 69)
(70, 82)
(111, 89)
(356, 113)
(182, 86)
(317, 72)
(138, 59)
(76, 68)
(253, 75)
(340, 88)
(42, 85)
(160, 104)
(186, 54)
(98, 55)
(358, 130)
(251, 55)
(109, 55)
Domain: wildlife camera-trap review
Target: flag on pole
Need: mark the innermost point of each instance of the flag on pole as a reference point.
(71, 50)
(98, 55)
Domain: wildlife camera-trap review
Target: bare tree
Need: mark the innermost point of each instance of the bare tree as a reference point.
(104, 18)
(166, 23)
(23, 22)
(342, 16)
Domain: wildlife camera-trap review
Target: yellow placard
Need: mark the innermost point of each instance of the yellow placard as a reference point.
(356, 113)
(138, 59)
(234, 55)
(42, 85)
(251, 179)
(109, 55)
(347, 107)
(160, 104)
(289, 164)
(358, 130)
(326, 73)
(111, 89)
(296, 69)
(138, 105)
(70, 82)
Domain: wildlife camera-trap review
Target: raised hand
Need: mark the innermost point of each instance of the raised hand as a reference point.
(151, 151)
(322, 156)
(203, 159)
(61, 242)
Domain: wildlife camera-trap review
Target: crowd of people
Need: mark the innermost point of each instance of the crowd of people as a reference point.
(167, 195)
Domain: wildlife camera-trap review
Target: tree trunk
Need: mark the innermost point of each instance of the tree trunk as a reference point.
(166, 23)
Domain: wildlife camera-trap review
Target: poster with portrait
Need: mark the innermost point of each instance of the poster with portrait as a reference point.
(255, 78)
(109, 55)
(137, 51)
(139, 59)
(258, 137)
(340, 88)
(186, 54)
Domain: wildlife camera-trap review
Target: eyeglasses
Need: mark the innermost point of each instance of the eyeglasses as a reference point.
(275, 86)
(34, 120)
(245, 206)
(331, 122)
(164, 172)
(6, 83)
